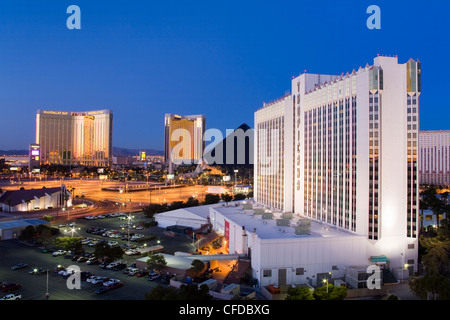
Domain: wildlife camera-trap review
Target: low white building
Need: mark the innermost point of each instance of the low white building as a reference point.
(193, 217)
(35, 199)
(11, 229)
(281, 255)
(286, 248)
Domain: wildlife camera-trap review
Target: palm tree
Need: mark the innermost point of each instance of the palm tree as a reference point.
(9, 205)
(444, 196)
(28, 202)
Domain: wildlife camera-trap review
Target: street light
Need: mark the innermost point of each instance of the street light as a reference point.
(47, 294)
(326, 281)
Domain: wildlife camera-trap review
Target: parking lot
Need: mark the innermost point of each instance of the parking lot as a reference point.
(34, 287)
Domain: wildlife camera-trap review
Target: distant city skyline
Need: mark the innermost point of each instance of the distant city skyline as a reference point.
(224, 60)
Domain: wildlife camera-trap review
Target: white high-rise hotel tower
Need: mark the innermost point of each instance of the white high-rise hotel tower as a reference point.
(347, 150)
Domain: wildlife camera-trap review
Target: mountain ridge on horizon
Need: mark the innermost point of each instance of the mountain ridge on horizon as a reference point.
(117, 152)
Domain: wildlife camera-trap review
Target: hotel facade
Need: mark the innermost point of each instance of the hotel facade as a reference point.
(183, 138)
(351, 147)
(75, 138)
(273, 141)
(434, 157)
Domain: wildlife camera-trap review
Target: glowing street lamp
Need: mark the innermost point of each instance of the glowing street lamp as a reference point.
(326, 281)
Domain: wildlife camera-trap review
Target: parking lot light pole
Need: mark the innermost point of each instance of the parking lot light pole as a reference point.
(47, 295)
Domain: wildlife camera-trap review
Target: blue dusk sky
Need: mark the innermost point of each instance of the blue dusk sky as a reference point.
(143, 59)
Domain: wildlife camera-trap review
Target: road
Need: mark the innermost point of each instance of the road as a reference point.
(107, 201)
(92, 189)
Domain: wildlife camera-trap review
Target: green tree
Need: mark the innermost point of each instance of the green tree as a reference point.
(69, 243)
(193, 292)
(197, 266)
(226, 197)
(211, 198)
(153, 209)
(333, 293)
(192, 202)
(185, 292)
(156, 262)
(300, 293)
(43, 234)
(436, 285)
(431, 201)
(104, 251)
(239, 196)
(28, 233)
(162, 293)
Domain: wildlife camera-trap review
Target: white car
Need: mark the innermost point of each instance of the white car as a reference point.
(133, 271)
(113, 243)
(12, 296)
(112, 264)
(131, 252)
(110, 282)
(59, 253)
(67, 272)
(97, 280)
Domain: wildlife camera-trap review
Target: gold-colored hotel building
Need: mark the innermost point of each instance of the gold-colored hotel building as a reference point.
(183, 137)
(75, 138)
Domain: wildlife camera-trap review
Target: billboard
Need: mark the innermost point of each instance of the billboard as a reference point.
(227, 234)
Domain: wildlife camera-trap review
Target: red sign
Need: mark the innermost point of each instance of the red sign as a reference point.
(227, 234)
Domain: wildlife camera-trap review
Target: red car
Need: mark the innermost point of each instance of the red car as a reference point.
(116, 285)
(8, 287)
(142, 273)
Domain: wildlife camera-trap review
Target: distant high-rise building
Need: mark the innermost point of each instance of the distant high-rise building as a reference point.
(434, 157)
(75, 138)
(34, 156)
(183, 138)
(350, 144)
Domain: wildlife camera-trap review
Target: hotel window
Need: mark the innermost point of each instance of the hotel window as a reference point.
(267, 273)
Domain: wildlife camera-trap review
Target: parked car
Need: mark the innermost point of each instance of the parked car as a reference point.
(131, 252)
(104, 263)
(67, 273)
(120, 266)
(116, 285)
(59, 253)
(102, 290)
(110, 282)
(99, 280)
(153, 276)
(142, 273)
(133, 271)
(8, 287)
(113, 264)
(85, 275)
(47, 250)
(166, 279)
(12, 296)
(36, 271)
(92, 260)
(113, 243)
(82, 259)
(20, 265)
(59, 268)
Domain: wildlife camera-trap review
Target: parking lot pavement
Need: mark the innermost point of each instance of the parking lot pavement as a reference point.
(34, 287)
